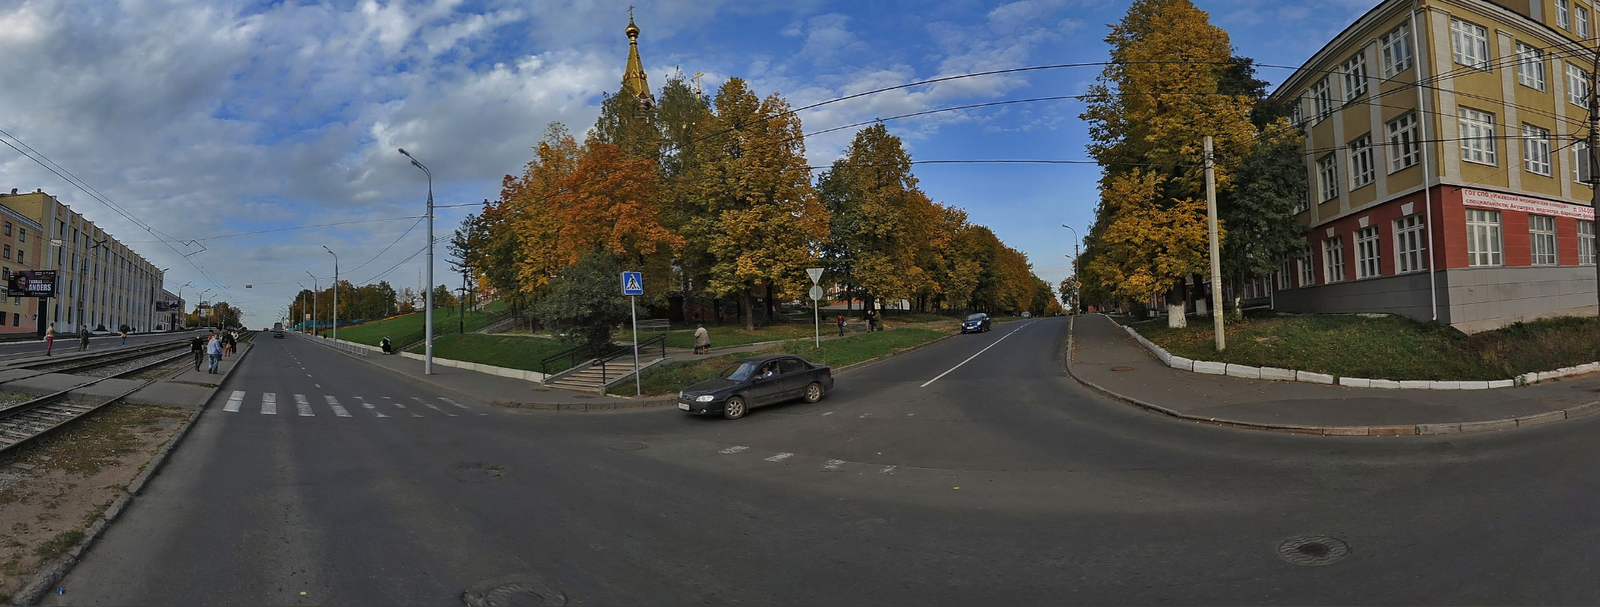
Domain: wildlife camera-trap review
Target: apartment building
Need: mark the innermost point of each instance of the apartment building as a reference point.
(101, 282)
(19, 250)
(1447, 179)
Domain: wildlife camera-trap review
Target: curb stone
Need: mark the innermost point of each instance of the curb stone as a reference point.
(47, 578)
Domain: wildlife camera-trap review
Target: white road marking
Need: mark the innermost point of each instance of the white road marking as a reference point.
(780, 457)
(461, 406)
(887, 470)
(234, 400)
(863, 415)
(827, 413)
(269, 403)
(833, 464)
(370, 407)
(432, 406)
(304, 407)
(734, 449)
(986, 349)
(333, 403)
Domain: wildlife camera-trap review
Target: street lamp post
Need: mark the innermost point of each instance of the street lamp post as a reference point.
(181, 314)
(427, 317)
(84, 285)
(207, 322)
(335, 291)
(1076, 281)
(298, 300)
(315, 288)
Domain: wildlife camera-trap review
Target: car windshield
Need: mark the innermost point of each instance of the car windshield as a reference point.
(975, 317)
(738, 371)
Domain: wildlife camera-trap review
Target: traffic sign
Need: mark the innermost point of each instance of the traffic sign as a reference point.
(632, 283)
(816, 275)
(816, 292)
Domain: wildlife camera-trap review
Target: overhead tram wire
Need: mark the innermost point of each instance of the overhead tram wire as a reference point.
(391, 245)
(289, 229)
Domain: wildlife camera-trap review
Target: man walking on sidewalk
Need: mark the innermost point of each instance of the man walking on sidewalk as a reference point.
(198, 346)
(214, 350)
(840, 321)
(83, 337)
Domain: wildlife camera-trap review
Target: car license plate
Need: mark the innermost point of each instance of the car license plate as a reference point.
(684, 406)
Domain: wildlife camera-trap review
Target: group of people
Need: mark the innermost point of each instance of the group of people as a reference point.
(83, 338)
(213, 347)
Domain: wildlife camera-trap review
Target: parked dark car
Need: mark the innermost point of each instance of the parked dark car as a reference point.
(976, 323)
(755, 382)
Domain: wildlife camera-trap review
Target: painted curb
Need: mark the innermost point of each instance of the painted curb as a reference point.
(1416, 429)
(34, 591)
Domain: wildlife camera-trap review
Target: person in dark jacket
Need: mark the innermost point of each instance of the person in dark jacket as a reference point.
(83, 337)
(198, 347)
(228, 342)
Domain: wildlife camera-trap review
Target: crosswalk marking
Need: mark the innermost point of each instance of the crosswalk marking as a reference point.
(234, 401)
(432, 406)
(370, 407)
(734, 449)
(780, 457)
(333, 403)
(460, 406)
(269, 403)
(833, 464)
(301, 403)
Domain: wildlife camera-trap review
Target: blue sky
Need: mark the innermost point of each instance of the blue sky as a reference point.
(206, 119)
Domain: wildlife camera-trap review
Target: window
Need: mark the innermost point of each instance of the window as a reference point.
(1477, 136)
(1308, 273)
(1302, 203)
(1404, 151)
(1333, 260)
(1483, 237)
(1581, 22)
(1395, 50)
(1542, 239)
(1321, 99)
(1367, 265)
(1563, 14)
(1361, 172)
(20, 255)
(1535, 150)
(1355, 77)
(1469, 44)
(1410, 245)
(22, 234)
(1580, 162)
(1328, 177)
(1283, 275)
(1530, 66)
(1577, 86)
(1586, 242)
(7, 254)
(8, 228)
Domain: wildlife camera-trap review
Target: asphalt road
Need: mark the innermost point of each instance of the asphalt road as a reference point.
(1002, 481)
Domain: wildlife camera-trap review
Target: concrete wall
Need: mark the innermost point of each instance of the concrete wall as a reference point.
(1488, 298)
(1404, 295)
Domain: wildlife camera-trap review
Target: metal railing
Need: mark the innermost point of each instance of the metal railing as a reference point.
(572, 357)
(659, 341)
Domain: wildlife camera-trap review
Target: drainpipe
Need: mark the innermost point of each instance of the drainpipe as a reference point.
(1427, 190)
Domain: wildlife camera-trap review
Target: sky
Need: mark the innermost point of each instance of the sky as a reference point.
(208, 122)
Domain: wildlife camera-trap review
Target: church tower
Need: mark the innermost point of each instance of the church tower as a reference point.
(634, 82)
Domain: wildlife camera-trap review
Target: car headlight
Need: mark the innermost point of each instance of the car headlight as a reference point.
(704, 398)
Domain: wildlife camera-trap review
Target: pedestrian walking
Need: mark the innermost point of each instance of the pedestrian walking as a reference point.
(228, 342)
(872, 321)
(214, 351)
(83, 337)
(840, 321)
(49, 338)
(702, 340)
(198, 347)
(124, 337)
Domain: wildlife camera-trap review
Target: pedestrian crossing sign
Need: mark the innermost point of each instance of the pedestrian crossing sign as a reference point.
(632, 283)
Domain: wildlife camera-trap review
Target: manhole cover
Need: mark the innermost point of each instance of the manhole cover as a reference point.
(514, 591)
(478, 473)
(627, 446)
(1122, 368)
(1313, 550)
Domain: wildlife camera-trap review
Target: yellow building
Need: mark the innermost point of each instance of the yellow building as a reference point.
(1441, 146)
(100, 282)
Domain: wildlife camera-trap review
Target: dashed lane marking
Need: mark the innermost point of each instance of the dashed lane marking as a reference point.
(269, 403)
(833, 464)
(827, 413)
(370, 407)
(980, 352)
(887, 470)
(780, 457)
(234, 401)
(734, 449)
(460, 406)
(304, 406)
(333, 403)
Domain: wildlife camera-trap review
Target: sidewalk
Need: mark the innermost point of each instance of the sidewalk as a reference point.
(1106, 358)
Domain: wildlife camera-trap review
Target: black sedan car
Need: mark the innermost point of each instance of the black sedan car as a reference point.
(976, 323)
(755, 382)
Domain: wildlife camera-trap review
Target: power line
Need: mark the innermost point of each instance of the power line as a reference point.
(291, 229)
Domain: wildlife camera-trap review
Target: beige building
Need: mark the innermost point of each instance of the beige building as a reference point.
(1444, 165)
(100, 281)
(20, 243)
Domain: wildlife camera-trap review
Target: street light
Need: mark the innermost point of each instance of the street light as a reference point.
(208, 308)
(180, 299)
(335, 291)
(427, 315)
(297, 296)
(1077, 282)
(316, 287)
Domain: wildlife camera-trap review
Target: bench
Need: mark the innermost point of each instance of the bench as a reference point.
(655, 324)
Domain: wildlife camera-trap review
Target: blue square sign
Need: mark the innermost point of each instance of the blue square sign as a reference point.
(632, 283)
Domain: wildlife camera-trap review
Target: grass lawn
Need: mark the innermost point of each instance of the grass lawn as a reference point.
(1385, 347)
(510, 351)
(397, 326)
(729, 334)
(669, 377)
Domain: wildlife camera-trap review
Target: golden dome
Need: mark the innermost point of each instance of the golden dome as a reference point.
(633, 30)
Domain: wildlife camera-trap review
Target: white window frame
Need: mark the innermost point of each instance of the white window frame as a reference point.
(1368, 255)
(1485, 248)
(1542, 240)
(1302, 203)
(1564, 13)
(1535, 150)
(1585, 243)
(1322, 99)
(1333, 260)
(1477, 136)
(1580, 22)
(1404, 147)
(1577, 86)
(1580, 162)
(1362, 173)
(1469, 44)
(1530, 66)
(1355, 76)
(1328, 178)
(1297, 114)
(1395, 50)
(1283, 276)
(1410, 244)
(1308, 268)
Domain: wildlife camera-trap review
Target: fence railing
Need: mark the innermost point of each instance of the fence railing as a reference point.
(659, 341)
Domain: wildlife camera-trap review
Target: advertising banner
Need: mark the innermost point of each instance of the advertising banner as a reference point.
(1524, 204)
(31, 283)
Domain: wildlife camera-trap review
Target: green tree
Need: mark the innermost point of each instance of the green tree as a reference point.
(583, 302)
(1259, 212)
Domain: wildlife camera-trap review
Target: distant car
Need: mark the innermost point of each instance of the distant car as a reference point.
(756, 382)
(975, 323)
(1027, 314)
(277, 330)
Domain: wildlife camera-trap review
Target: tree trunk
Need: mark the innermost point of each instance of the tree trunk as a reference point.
(771, 305)
(1175, 307)
(749, 311)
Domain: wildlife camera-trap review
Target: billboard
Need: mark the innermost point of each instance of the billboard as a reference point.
(169, 305)
(31, 283)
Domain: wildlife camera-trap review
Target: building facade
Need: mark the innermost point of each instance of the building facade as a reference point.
(101, 283)
(1447, 181)
(19, 250)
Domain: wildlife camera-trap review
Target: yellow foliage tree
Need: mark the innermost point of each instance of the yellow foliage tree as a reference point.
(1148, 242)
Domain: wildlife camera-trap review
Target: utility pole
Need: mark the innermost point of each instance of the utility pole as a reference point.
(1076, 282)
(1216, 263)
(1594, 144)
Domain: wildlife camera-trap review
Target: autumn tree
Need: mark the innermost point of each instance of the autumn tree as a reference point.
(1148, 241)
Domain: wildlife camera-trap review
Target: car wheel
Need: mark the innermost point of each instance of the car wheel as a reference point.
(735, 408)
(813, 392)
